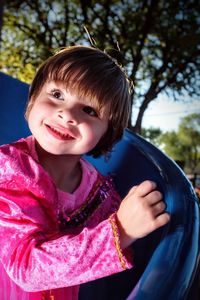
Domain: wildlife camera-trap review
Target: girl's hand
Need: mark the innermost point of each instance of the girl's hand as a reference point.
(141, 212)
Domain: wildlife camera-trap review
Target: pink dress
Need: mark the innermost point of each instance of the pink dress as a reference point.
(51, 241)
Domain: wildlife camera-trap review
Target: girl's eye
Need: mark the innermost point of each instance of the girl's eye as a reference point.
(57, 94)
(90, 111)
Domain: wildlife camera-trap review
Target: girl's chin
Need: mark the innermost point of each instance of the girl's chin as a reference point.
(60, 149)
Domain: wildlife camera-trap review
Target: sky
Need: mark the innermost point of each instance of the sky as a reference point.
(167, 114)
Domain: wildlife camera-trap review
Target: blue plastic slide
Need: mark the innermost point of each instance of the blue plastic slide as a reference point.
(167, 261)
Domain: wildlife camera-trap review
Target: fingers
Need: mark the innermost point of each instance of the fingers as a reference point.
(154, 197)
(161, 220)
(157, 222)
(141, 212)
(145, 188)
(158, 208)
(153, 201)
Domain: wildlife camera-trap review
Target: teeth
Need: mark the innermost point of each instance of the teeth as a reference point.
(60, 133)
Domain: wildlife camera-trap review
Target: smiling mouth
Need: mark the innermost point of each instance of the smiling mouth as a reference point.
(59, 135)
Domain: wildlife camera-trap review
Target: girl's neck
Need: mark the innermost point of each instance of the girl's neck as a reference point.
(65, 170)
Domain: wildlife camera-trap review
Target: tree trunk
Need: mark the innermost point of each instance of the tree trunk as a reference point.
(151, 95)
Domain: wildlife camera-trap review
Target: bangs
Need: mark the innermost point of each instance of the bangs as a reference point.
(89, 78)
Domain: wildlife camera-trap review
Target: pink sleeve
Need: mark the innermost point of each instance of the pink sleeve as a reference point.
(38, 259)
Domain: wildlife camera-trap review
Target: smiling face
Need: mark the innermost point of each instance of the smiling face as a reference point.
(64, 123)
(87, 73)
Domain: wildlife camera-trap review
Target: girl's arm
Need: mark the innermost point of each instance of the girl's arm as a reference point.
(38, 259)
(32, 251)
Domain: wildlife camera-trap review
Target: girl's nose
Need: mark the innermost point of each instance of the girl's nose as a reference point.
(68, 117)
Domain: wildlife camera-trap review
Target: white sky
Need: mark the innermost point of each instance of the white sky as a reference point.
(167, 114)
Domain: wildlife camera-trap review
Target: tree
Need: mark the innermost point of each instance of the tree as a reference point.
(157, 42)
(1, 16)
(152, 134)
(184, 145)
(33, 30)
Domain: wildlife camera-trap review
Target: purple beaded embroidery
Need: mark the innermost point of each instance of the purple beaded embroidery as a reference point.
(78, 218)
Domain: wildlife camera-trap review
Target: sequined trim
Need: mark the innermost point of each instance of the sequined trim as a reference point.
(102, 189)
(115, 230)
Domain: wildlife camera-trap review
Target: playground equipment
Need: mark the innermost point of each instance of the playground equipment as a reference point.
(166, 262)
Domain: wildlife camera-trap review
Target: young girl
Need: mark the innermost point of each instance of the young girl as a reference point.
(61, 222)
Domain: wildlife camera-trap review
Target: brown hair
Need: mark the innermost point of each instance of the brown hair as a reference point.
(92, 73)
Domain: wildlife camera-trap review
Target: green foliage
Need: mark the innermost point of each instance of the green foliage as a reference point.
(157, 42)
(152, 135)
(32, 31)
(184, 145)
